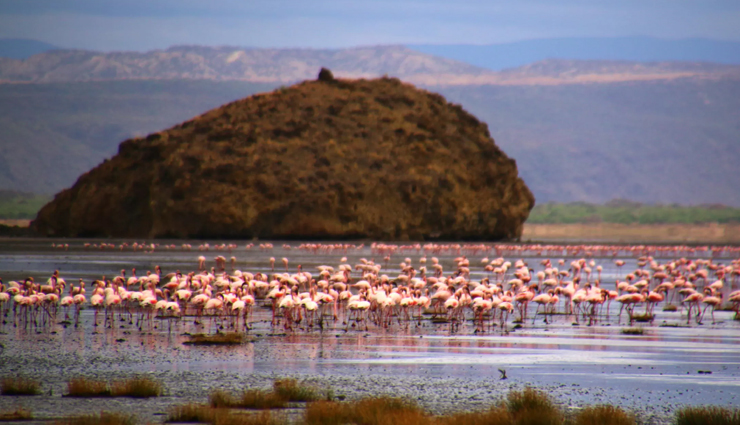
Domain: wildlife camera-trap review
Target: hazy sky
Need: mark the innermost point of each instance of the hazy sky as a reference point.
(151, 24)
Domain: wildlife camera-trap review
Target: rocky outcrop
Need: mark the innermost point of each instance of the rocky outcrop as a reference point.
(322, 159)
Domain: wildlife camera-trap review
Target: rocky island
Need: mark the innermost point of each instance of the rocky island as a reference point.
(323, 159)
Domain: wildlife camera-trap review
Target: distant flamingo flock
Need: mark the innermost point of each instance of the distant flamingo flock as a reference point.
(486, 287)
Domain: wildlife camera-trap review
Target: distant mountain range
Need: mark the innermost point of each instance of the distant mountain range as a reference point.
(635, 49)
(580, 130)
(511, 55)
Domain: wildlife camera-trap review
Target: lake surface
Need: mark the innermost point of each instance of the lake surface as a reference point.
(443, 369)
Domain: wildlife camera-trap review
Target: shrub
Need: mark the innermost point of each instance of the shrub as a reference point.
(604, 415)
(709, 415)
(19, 386)
(367, 411)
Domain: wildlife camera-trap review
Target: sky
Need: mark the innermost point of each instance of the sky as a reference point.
(109, 25)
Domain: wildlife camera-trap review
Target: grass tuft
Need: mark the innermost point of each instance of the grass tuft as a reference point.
(707, 415)
(291, 390)
(642, 317)
(633, 331)
(496, 415)
(670, 307)
(193, 412)
(83, 387)
(604, 415)
(249, 399)
(367, 411)
(232, 338)
(19, 414)
(533, 407)
(104, 418)
(19, 386)
(141, 387)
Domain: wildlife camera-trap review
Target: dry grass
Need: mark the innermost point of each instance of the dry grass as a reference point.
(532, 407)
(140, 387)
(603, 415)
(670, 307)
(261, 418)
(104, 418)
(19, 386)
(633, 331)
(707, 415)
(368, 411)
(291, 390)
(83, 387)
(497, 415)
(642, 317)
(249, 399)
(232, 338)
(19, 414)
(192, 412)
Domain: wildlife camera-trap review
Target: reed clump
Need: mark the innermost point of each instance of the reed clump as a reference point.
(642, 317)
(291, 390)
(104, 418)
(19, 414)
(633, 331)
(19, 386)
(230, 338)
(707, 415)
(194, 412)
(138, 387)
(604, 415)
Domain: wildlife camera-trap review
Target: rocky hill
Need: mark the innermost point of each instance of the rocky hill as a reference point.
(322, 159)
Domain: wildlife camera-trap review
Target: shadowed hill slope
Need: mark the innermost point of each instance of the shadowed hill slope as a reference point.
(322, 159)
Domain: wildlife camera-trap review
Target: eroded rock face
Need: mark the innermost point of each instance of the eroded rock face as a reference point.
(322, 159)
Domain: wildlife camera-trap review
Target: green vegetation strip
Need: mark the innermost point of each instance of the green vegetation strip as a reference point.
(626, 212)
(18, 205)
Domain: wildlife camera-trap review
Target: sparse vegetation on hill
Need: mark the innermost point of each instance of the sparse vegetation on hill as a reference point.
(627, 212)
(321, 159)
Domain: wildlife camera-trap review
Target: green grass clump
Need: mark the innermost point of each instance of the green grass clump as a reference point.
(19, 414)
(104, 418)
(249, 399)
(633, 331)
(231, 338)
(707, 415)
(603, 415)
(141, 387)
(532, 407)
(291, 390)
(19, 386)
(642, 317)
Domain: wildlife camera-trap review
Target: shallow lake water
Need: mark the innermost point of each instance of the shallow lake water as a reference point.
(443, 369)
